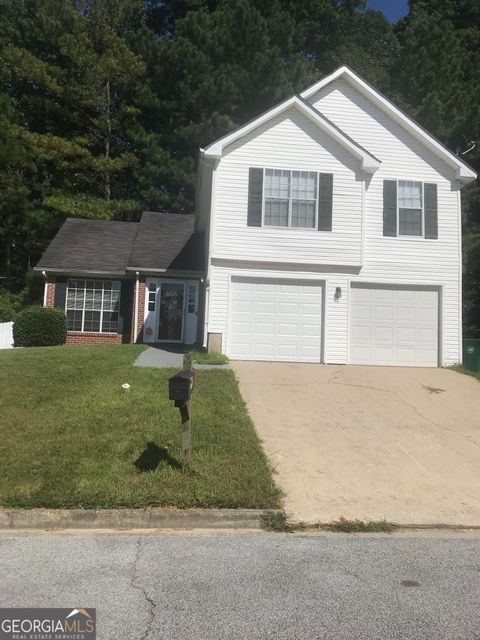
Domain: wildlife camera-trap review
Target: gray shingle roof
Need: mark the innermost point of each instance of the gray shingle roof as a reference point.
(91, 246)
(159, 241)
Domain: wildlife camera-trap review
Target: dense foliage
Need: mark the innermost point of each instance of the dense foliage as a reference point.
(39, 327)
(104, 103)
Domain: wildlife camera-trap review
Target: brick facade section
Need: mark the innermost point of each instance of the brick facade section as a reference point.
(142, 292)
(77, 337)
(50, 284)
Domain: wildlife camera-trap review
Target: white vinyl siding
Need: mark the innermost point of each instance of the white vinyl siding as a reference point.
(404, 259)
(338, 258)
(291, 143)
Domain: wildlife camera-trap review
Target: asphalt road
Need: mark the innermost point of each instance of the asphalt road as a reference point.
(210, 586)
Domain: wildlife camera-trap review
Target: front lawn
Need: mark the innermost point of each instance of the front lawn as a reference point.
(71, 437)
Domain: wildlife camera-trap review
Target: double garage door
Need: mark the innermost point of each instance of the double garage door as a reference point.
(283, 320)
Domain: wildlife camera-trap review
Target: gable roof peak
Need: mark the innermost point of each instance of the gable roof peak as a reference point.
(463, 171)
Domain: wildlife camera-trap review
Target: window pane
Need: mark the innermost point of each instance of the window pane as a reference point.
(92, 321)
(276, 212)
(110, 322)
(74, 320)
(303, 214)
(277, 183)
(304, 185)
(410, 222)
(409, 194)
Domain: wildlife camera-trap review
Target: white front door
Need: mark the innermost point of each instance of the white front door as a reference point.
(393, 325)
(191, 313)
(171, 310)
(150, 321)
(276, 320)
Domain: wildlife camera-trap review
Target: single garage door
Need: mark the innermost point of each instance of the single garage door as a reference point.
(275, 320)
(393, 326)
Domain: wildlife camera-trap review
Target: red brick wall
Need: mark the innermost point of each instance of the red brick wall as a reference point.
(142, 289)
(79, 337)
(50, 291)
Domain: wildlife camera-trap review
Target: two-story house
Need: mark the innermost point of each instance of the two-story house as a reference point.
(328, 229)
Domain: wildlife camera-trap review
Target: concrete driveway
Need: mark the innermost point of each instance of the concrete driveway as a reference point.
(369, 442)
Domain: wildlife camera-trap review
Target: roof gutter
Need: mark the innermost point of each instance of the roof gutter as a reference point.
(77, 272)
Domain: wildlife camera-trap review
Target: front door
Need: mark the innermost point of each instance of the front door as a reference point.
(170, 313)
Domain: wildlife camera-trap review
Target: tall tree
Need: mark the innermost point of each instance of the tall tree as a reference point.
(72, 75)
(437, 77)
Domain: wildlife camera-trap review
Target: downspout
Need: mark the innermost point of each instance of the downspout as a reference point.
(135, 321)
(45, 288)
(206, 313)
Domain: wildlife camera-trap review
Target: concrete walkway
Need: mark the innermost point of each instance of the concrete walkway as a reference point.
(369, 442)
(169, 358)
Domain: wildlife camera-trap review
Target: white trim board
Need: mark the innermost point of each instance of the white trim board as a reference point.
(463, 172)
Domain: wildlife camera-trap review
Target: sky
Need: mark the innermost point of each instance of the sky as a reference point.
(393, 9)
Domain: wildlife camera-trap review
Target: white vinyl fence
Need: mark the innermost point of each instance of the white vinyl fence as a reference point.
(6, 335)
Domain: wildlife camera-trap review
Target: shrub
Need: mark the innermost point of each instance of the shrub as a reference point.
(9, 306)
(39, 327)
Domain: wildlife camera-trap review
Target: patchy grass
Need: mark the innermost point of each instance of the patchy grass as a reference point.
(70, 437)
(459, 369)
(359, 526)
(202, 357)
(276, 520)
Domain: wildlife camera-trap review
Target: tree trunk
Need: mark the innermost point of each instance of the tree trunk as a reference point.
(108, 139)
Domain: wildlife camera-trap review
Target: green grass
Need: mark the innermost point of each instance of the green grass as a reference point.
(202, 357)
(359, 526)
(70, 437)
(459, 369)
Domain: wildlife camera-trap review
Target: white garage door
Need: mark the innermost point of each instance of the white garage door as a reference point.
(393, 326)
(275, 320)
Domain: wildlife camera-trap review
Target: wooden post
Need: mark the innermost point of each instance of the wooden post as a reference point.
(186, 413)
(187, 360)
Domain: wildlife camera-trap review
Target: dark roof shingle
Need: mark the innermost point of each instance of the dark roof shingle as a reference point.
(101, 246)
(160, 241)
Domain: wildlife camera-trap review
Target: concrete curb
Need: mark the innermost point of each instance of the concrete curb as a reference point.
(154, 518)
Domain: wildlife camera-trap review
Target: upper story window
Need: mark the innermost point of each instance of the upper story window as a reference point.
(410, 208)
(93, 305)
(290, 198)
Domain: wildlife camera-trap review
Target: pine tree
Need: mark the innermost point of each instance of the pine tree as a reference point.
(438, 78)
(73, 76)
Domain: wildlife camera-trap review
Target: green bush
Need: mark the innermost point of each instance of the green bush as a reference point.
(10, 304)
(39, 327)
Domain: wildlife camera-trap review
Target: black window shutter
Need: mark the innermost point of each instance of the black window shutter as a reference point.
(389, 208)
(60, 293)
(325, 201)
(126, 309)
(255, 194)
(431, 211)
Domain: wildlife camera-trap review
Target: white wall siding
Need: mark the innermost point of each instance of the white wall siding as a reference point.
(290, 141)
(403, 259)
(6, 335)
(335, 312)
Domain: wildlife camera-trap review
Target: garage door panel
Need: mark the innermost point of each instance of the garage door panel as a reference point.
(397, 326)
(285, 322)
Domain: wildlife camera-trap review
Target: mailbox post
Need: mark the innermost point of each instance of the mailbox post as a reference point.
(180, 387)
